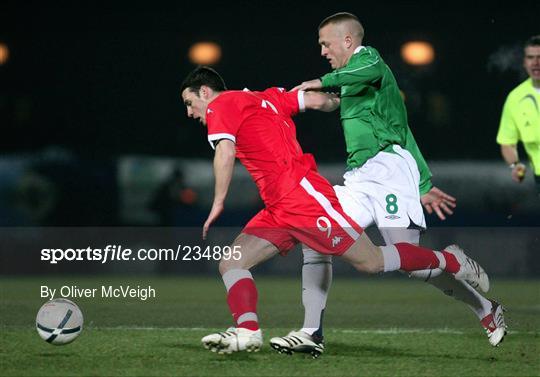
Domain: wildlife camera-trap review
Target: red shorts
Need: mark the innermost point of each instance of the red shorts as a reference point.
(310, 214)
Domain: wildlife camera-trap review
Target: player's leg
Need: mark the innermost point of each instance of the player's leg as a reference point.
(402, 183)
(489, 313)
(241, 290)
(316, 282)
(242, 296)
(316, 225)
(396, 235)
(367, 257)
(447, 284)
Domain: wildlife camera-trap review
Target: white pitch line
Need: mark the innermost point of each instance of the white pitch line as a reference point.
(389, 331)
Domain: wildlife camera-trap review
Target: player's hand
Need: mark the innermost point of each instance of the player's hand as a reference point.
(309, 85)
(518, 172)
(215, 212)
(439, 202)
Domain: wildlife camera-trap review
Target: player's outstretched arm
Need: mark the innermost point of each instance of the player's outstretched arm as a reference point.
(321, 101)
(223, 171)
(436, 200)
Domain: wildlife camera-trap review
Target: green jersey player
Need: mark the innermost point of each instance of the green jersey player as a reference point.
(387, 179)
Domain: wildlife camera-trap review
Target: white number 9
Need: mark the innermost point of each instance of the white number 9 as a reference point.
(324, 225)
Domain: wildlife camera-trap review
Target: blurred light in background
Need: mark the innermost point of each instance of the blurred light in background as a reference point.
(4, 53)
(205, 53)
(417, 53)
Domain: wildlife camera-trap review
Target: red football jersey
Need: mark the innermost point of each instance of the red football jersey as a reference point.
(260, 125)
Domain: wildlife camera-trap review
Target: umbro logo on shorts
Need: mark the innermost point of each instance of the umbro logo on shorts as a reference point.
(392, 217)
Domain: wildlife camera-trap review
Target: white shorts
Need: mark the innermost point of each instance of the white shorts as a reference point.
(384, 191)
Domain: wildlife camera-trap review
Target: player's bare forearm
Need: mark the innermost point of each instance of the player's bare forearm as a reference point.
(326, 102)
(223, 170)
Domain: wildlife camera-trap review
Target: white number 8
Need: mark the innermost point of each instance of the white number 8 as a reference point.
(324, 225)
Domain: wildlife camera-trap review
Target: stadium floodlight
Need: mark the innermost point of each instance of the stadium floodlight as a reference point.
(4, 53)
(205, 53)
(418, 53)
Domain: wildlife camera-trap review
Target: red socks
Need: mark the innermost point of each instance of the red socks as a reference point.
(242, 298)
(420, 258)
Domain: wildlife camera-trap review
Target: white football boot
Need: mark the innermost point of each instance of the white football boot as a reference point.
(494, 324)
(298, 341)
(233, 340)
(470, 270)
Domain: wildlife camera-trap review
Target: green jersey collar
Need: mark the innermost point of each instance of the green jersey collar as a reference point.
(358, 49)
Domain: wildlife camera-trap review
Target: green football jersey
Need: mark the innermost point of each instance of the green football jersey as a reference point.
(373, 114)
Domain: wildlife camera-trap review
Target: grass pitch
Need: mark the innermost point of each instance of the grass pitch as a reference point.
(374, 327)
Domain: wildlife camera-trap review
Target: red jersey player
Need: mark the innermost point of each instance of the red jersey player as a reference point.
(300, 205)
